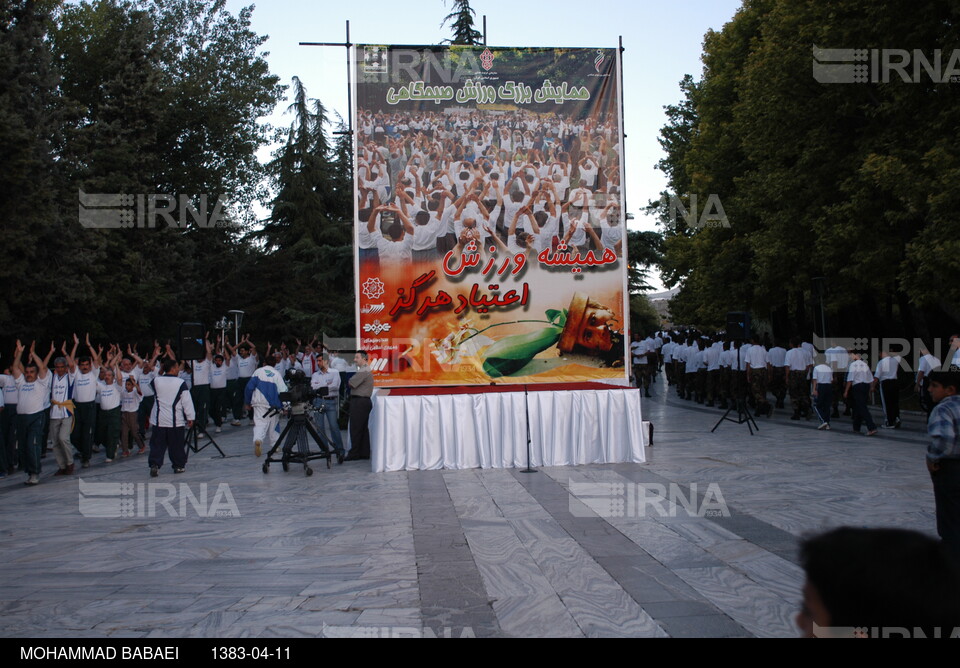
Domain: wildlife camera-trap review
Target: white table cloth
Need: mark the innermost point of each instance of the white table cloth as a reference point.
(488, 430)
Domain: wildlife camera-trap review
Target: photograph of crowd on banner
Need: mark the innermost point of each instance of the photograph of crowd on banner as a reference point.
(490, 232)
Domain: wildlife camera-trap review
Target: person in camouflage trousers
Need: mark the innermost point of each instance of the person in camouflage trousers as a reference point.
(758, 388)
(756, 361)
(798, 365)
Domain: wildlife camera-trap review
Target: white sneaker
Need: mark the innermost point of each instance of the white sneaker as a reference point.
(236, 423)
(33, 480)
(217, 430)
(825, 425)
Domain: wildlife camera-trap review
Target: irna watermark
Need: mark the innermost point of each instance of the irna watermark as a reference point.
(128, 500)
(118, 211)
(616, 499)
(840, 66)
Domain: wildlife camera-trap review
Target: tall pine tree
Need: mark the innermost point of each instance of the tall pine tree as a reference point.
(461, 20)
(307, 273)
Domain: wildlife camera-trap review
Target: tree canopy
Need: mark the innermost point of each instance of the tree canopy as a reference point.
(116, 97)
(855, 183)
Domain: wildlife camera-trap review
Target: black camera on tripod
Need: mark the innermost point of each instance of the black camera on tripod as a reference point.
(298, 388)
(300, 431)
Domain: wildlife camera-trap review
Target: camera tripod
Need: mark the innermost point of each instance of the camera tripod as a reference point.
(193, 437)
(740, 404)
(299, 429)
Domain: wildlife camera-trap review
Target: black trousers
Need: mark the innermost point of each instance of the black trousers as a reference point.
(172, 439)
(360, 408)
(890, 393)
(84, 428)
(218, 404)
(861, 413)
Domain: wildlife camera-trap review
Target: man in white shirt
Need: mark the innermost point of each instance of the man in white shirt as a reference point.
(395, 248)
(714, 386)
(147, 372)
(588, 173)
(247, 362)
(130, 399)
(696, 380)
(757, 376)
(860, 382)
(728, 360)
(838, 359)
(86, 374)
(927, 365)
(641, 364)
(33, 386)
(200, 389)
(954, 353)
(822, 389)
(680, 361)
(61, 414)
(739, 371)
(218, 390)
(776, 375)
(108, 417)
(886, 375)
(8, 423)
(668, 348)
(327, 382)
(172, 415)
(797, 365)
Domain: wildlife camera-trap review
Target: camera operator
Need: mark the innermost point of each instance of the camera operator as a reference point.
(326, 380)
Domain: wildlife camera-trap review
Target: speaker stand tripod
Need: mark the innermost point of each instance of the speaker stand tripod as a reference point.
(743, 413)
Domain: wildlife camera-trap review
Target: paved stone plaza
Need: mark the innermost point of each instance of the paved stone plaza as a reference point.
(484, 553)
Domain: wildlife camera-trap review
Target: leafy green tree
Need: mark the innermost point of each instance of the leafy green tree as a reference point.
(125, 97)
(643, 316)
(461, 21)
(856, 183)
(31, 180)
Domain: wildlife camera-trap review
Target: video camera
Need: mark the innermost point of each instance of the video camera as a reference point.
(298, 388)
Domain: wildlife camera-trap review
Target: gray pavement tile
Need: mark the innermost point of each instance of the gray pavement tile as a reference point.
(661, 610)
(703, 626)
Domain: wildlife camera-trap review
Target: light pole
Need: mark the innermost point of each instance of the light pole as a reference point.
(231, 321)
(237, 320)
(819, 283)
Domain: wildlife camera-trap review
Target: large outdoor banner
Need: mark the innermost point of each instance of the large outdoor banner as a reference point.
(490, 230)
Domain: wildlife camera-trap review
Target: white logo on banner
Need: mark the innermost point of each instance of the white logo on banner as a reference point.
(599, 60)
(377, 327)
(373, 288)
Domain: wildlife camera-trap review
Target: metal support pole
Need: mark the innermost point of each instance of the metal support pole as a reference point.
(349, 85)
